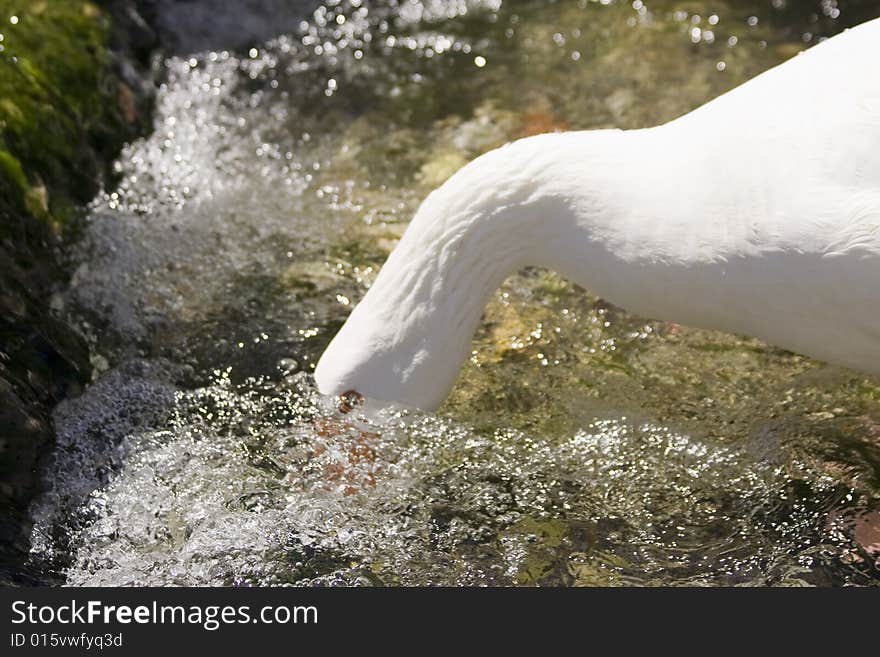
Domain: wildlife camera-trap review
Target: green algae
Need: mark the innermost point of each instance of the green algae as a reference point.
(60, 113)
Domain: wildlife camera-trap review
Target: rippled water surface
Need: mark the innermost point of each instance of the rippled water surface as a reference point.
(581, 446)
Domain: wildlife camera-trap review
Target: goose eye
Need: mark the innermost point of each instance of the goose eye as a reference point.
(348, 400)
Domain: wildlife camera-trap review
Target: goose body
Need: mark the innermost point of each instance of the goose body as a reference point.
(757, 213)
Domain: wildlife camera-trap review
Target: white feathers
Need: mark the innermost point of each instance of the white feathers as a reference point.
(758, 213)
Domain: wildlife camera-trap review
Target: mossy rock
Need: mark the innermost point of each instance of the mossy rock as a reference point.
(64, 115)
(64, 112)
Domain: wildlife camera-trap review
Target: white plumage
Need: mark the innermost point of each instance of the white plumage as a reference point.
(758, 213)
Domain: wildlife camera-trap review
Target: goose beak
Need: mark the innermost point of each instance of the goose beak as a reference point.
(349, 400)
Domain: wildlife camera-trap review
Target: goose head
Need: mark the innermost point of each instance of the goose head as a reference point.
(369, 359)
(406, 340)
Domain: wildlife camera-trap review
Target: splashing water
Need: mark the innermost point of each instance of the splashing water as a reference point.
(581, 445)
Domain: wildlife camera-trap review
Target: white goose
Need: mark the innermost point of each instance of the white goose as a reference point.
(758, 213)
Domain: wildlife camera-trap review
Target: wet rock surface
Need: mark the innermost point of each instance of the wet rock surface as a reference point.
(187, 26)
(74, 89)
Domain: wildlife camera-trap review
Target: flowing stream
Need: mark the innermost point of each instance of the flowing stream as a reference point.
(581, 445)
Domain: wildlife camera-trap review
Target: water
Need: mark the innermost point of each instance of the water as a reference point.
(581, 446)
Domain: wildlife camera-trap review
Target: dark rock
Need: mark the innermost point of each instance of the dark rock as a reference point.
(56, 150)
(191, 26)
